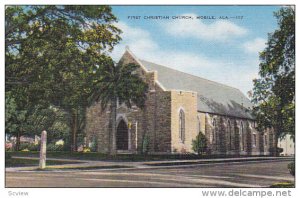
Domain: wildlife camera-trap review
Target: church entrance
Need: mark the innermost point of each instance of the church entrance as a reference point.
(122, 136)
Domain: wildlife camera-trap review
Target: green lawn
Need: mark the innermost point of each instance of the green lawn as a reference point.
(119, 157)
(106, 157)
(31, 162)
(83, 168)
(283, 185)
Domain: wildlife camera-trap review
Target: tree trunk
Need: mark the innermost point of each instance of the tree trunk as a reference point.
(275, 146)
(17, 147)
(74, 127)
(275, 142)
(113, 144)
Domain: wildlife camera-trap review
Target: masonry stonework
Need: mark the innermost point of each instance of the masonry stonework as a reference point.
(185, 101)
(156, 127)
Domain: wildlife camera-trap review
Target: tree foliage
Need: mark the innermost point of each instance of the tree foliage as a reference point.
(199, 145)
(53, 54)
(119, 84)
(274, 91)
(15, 118)
(20, 121)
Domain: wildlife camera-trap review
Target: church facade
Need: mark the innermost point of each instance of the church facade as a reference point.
(178, 107)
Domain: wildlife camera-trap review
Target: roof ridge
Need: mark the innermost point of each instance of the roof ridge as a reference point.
(218, 83)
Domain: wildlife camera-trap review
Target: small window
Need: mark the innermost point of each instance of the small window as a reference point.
(266, 140)
(229, 134)
(242, 136)
(254, 140)
(181, 126)
(214, 135)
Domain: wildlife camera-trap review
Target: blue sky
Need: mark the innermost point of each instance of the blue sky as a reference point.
(222, 50)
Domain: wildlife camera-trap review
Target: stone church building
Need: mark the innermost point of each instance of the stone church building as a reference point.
(178, 107)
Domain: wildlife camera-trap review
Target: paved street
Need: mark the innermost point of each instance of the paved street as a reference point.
(233, 174)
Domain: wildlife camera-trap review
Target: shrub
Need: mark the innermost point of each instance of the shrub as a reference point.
(29, 146)
(145, 148)
(7, 156)
(94, 145)
(67, 145)
(199, 145)
(24, 146)
(291, 167)
(53, 147)
(8, 146)
(279, 150)
(25, 150)
(34, 147)
(86, 150)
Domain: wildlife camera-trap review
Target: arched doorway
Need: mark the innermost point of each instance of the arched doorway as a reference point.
(122, 136)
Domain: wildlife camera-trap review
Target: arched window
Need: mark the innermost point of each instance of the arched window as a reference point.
(242, 136)
(181, 126)
(254, 140)
(229, 134)
(214, 133)
(266, 139)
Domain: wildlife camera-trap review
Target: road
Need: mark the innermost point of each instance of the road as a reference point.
(238, 174)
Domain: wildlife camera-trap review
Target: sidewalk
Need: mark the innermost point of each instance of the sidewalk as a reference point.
(105, 165)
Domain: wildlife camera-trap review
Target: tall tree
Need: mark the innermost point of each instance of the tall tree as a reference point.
(119, 84)
(274, 91)
(15, 119)
(20, 121)
(55, 51)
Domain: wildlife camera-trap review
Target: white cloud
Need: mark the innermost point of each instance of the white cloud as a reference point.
(255, 46)
(223, 71)
(238, 76)
(220, 30)
(143, 46)
(138, 39)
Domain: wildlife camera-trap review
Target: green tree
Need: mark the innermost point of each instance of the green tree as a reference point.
(31, 121)
(53, 119)
(54, 53)
(15, 119)
(274, 91)
(119, 83)
(199, 145)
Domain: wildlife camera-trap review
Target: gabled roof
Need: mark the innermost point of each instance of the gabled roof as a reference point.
(213, 97)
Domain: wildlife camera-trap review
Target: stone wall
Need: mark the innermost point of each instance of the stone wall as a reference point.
(158, 124)
(250, 143)
(151, 124)
(187, 102)
(97, 127)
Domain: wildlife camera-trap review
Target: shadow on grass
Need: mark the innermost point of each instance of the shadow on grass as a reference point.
(83, 168)
(13, 162)
(121, 157)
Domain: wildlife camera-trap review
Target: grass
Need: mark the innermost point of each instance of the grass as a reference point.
(119, 157)
(84, 168)
(283, 185)
(194, 162)
(13, 162)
